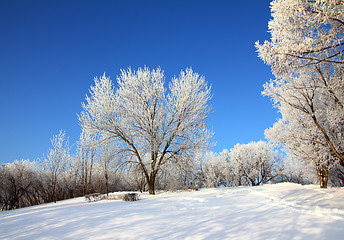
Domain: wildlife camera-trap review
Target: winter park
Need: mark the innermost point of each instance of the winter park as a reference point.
(172, 119)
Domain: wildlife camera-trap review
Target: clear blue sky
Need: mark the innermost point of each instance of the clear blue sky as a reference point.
(50, 51)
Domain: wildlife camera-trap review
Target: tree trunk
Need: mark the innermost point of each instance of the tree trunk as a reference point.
(151, 189)
(90, 187)
(151, 184)
(323, 182)
(83, 179)
(141, 183)
(54, 183)
(323, 177)
(85, 182)
(106, 184)
(327, 138)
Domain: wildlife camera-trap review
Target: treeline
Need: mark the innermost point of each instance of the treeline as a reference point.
(60, 176)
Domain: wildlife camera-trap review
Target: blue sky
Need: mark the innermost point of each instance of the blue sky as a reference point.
(50, 51)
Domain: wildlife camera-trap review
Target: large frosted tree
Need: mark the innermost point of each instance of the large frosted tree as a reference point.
(149, 124)
(304, 33)
(306, 56)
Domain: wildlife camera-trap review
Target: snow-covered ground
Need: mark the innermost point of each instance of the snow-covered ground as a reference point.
(281, 211)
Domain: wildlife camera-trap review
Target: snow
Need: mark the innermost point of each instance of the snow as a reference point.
(280, 211)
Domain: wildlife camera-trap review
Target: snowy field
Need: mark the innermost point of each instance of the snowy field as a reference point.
(281, 211)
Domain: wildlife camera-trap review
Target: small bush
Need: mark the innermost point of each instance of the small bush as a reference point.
(190, 188)
(123, 196)
(131, 197)
(93, 197)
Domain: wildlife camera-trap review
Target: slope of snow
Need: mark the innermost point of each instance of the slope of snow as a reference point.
(281, 211)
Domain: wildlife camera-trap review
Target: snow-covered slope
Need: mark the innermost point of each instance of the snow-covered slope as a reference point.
(281, 211)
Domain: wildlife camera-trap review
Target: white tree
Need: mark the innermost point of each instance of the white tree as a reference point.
(106, 155)
(215, 169)
(254, 163)
(303, 141)
(306, 57)
(305, 99)
(304, 33)
(145, 120)
(56, 161)
(296, 171)
(178, 174)
(86, 150)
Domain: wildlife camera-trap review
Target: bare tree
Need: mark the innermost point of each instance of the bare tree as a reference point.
(19, 185)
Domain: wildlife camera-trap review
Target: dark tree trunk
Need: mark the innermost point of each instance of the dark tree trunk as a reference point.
(323, 177)
(107, 184)
(151, 189)
(323, 182)
(151, 184)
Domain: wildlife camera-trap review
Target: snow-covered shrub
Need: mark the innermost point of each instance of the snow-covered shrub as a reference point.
(122, 196)
(190, 188)
(93, 197)
(131, 197)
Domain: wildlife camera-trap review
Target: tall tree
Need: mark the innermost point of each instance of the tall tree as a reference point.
(302, 141)
(146, 121)
(106, 154)
(306, 56)
(55, 162)
(86, 151)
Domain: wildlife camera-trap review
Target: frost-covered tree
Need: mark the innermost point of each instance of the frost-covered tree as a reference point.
(254, 163)
(304, 100)
(86, 150)
(55, 162)
(302, 141)
(106, 154)
(306, 56)
(215, 170)
(178, 174)
(295, 171)
(304, 33)
(133, 178)
(150, 125)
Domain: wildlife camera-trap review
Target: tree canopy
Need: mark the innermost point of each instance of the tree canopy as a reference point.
(148, 124)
